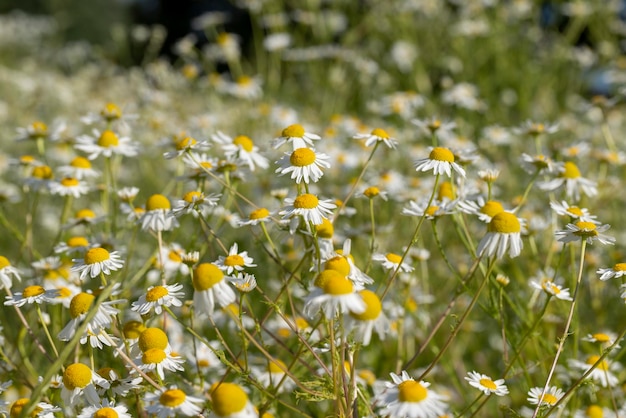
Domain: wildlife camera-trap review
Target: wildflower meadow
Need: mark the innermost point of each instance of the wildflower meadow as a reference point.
(403, 208)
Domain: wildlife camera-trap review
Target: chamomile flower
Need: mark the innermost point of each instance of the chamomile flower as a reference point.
(185, 145)
(158, 360)
(503, 233)
(548, 286)
(229, 400)
(106, 409)
(309, 206)
(244, 282)
(615, 272)
(343, 262)
(574, 212)
(119, 386)
(486, 385)
(97, 261)
(391, 261)
(234, 261)
(588, 231)
(570, 178)
(79, 168)
(604, 339)
(109, 113)
(200, 165)
(536, 128)
(377, 135)
(549, 398)
(298, 137)
(35, 130)
(372, 192)
(172, 402)
(211, 287)
(595, 411)
(73, 245)
(157, 216)
(335, 296)
(245, 87)
(603, 373)
(539, 163)
(30, 295)
(484, 209)
(42, 410)
(273, 376)
(372, 319)
(303, 164)
(434, 125)
(106, 144)
(405, 397)
(158, 297)
(41, 176)
(69, 186)
(440, 161)
(435, 210)
(256, 216)
(7, 273)
(80, 381)
(241, 148)
(80, 305)
(195, 203)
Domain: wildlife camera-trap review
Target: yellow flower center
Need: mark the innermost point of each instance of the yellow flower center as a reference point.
(338, 263)
(338, 286)
(617, 267)
(85, 214)
(18, 406)
(244, 142)
(64, 292)
(80, 304)
(603, 365)
(189, 197)
(441, 154)
(227, 398)
(549, 399)
(244, 80)
(234, 260)
(381, 133)
(587, 229)
(153, 356)
(39, 128)
(42, 172)
(152, 338)
(206, 275)
(275, 366)
(432, 210)
(32, 291)
(111, 111)
(601, 337)
(69, 182)
(105, 412)
(301, 323)
(156, 293)
(133, 329)
(293, 131)
(571, 171)
(76, 375)
(504, 223)
(206, 165)
(96, 255)
(434, 125)
(4, 262)
(492, 208)
(411, 391)
(371, 192)
(172, 398)
(325, 229)
(488, 383)
(302, 157)
(186, 142)
(174, 256)
(80, 162)
(305, 201)
(108, 139)
(327, 275)
(77, 242)
(373, 306)
(594, 411)
(157, 201)
(446, 191)
(394, 258)
(259, 214)
(575, 210)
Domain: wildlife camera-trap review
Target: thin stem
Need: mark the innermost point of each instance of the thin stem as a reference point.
(45, 329)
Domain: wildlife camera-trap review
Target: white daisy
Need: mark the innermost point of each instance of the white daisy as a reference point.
(256, 216)
(503, 233)
(588, 231)
(549, 398)
(372, 319)
(548, 286)
(377, 135)
(539, 163)
(309, 207)
(79, 168)
(234, 261)
(574, 183)
(42, 410)
(157, 297)
(184, 145)
(485, 384)
(536, 128)
(605, 339)
(7, 273)
(74, 245)
(229, 400)
(172, 402)
(440, 161)
(298, 137)
(434, 125)
(107, 144)
(242, 149)
(335, 296)
(603, 373)
(195, 203)
(211, 287)
(69, 186)
(245, 87)
(80, 381)
(158, 214)
(617, 271)
(80, 305)
(484, 209)
(574, 212)
(303, 164)
(435, 210)
(97, 261)
(106, 409)
(391, 261)
(407, 398)
(30, 295)
(158, 360)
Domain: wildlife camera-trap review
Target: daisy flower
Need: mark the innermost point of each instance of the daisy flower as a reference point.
(229, 400)
(79, 380)
(298, 137)
(605, 339)
(40, 178)
(195, 203)
(308, 206)
(119, 386)
(391, 261)
(539, 164)
(7, 273)
(245, 87)
(574, 183)
(503, 233)
(241, 148)
(109, 113)
(157, 297)
(588, 231)
(30, 295)
(595, 411)
(552, 396)
(372, 192)
(377, 135)
(484, 209)
(617, 271)
(158, 360)
(158, 214)
(486, 385)
(548, 286)
(256, 216)
(335, 295)
(107, 144)
(69, 186)
(210, 287)
(42, 410)
(440, 161)
(602, 373)
(234, 261)
(172, 402)
(97, 261)
(343, 262)
(574, 212)
(407, 398)
(79, 168)
(536, 128)
(274, 376)
(79, 307)
(185, 145)
(200, 164)
(303, 164)
(434, 125)
(36, 130)
(73, 245)
(372, 319)
(435, 210)
(244, 282)
(106, 409)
